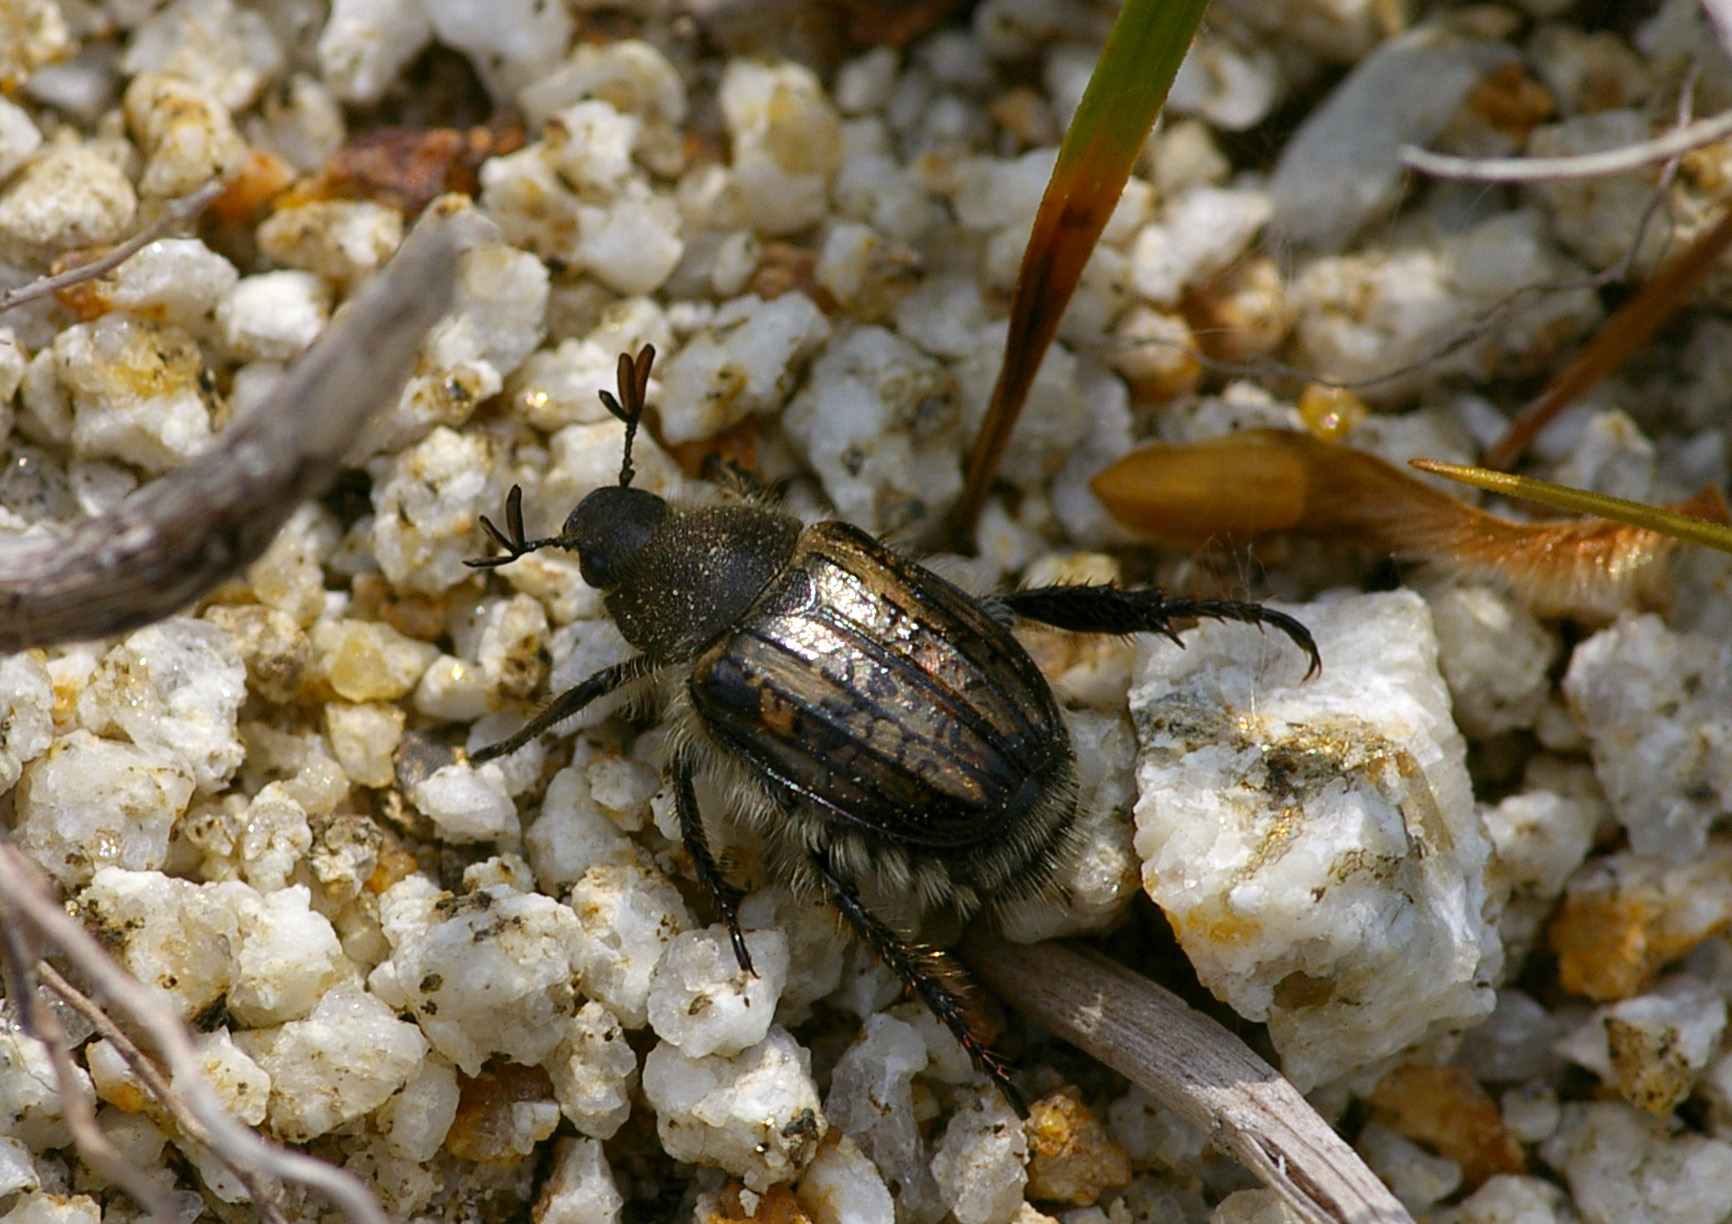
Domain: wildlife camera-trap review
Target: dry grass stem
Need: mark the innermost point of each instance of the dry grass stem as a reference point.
(176, 214)
(1674, 143)
(1194, 1067)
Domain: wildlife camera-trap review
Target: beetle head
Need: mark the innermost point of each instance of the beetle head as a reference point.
(609, 529)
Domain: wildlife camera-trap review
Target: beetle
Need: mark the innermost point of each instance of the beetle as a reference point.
(876, 726)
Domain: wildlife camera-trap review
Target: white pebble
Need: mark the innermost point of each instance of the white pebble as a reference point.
(366, 43)
(1621, 1168)
(880, 422)
(1341, 168)
(492, 974)
(468, 803)
(978, 1162)
(1656, 706)
(1199, 234)
(747, 362)
(580, 1187)
(871, 1100)
(421, 1114)
(841, 1186)
(510, 43)
(754, 1115)
(1377, 893)
(593, 1069)
(426, 502)
(340, 1063)
(787, 143)
(184, 132)
(175, 280)
(215, 44)
(342, 240)
(629, 914)
(1495, 654)
(27, 713)
(135, 391)
(702, 1002)
(70, 196)
(272, 316)
(89, 803)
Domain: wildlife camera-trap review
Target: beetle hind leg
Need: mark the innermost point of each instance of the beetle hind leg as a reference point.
(927, 974)
(1107, 609)
(724, 896)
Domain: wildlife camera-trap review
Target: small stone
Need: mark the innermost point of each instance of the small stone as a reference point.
(511, 44)
(841, 1186)
(703, 1002)
(135, 391)
(747, 361)
(1446, 1110)
(872, 1101)
(1071, 1156)
(366, 43)
(340, 1063)
(491, 975)
(1341, 168)
(1620, 1167)
(787, 143)
(1417, 1177)
(369, 660)
(1510, 1199)
(502, 1113)
(26, 714)
(214, 44)
(1199, 235)
(88, 803)
(1656, 706)
(178, 938)
(173, 280)
(273, 316)
(71, 196)
(242, 1086)
(364, 737)
(343, 241)
(593, 1070)
(1495, 654)
(629, 915)
(881, 423)
(468, 803)
(185, 133)
(754, 1115)
(1653, 1046)
(420, 1116)
(978, 1161)
(580, 1189)
(1347, 963)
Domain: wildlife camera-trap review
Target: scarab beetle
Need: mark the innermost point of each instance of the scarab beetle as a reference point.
(874, 724)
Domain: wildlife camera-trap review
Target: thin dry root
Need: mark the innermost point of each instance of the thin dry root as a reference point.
(33, 918)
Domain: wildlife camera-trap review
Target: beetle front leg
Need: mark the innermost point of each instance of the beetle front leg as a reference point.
(704, 863)
(925, 973)
(1107, 609)
(566, 704)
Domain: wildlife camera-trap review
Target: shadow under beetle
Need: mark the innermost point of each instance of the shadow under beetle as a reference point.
(880, 727)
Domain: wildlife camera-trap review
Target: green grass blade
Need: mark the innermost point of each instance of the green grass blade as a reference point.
(1124, 95)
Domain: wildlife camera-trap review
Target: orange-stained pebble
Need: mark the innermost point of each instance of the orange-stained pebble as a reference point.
(738, 1205)
(1243, 313)
(262, 178)
(1445, 1109)
(1071, 1157)
(1625, 918)
(491, 1127)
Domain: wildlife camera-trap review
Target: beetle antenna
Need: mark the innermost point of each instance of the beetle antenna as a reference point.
(633, 379)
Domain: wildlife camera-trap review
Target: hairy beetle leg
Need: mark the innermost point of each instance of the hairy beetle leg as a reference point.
(704, 863)
(566, 704)
(1107, 609)
(920, 972)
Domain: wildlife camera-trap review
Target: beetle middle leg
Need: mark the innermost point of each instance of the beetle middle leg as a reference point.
(724, 896)
(921, 971)
(1107, 609)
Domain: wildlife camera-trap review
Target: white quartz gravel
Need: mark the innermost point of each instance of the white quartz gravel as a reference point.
(405, 959)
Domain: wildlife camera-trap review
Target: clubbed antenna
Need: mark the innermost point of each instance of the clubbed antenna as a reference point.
(633, 381)
(512, 539)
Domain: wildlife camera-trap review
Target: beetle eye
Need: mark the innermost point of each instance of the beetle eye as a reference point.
(608, 530)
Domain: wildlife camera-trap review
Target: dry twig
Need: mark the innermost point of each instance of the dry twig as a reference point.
(174, 215)
(174, 540)
(28, 904)
(1194, 1067)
